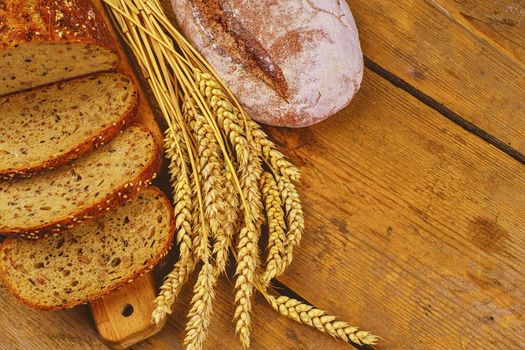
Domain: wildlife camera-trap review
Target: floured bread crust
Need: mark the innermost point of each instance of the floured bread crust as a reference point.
(290, 63)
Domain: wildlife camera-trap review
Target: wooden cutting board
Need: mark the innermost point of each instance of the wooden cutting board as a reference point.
(123, 318)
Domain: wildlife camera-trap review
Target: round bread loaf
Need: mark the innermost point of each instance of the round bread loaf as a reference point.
(289, 62)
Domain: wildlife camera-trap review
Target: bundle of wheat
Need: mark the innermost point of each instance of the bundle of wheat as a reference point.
(220, 160)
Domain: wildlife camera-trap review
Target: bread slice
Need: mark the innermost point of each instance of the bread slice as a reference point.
(44, 41)
(48, 203)
(51, 125)
(91, 259)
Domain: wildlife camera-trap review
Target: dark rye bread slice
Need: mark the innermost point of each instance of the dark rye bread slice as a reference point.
(50, 202)
(51, 125)
(92, 259)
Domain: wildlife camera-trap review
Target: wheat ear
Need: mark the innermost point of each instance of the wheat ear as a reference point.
(201, 303)
(174, 281)
(247, 262)
(231, 197)
(227, 117)
(314, 317)
(276, 228)
(294, 216)
(199, 316)
(271, 155)
(213, 180)
(250, 176)
(220, 107)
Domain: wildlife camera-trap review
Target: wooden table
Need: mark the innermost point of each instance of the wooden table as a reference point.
(414, 197)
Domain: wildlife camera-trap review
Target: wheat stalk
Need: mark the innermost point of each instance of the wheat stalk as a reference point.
(182, 213)
(201, 308)
(309, 315)
(294, 216)
(228, 178)
(276, 228)
(221, 247)
(247, 263)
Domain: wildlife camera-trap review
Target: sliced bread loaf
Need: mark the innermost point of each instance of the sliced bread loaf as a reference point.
(43, 41)
(51, 125)
(91, 259)
(48, 203)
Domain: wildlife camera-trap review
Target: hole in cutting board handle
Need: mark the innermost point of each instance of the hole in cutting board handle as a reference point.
(127, 310)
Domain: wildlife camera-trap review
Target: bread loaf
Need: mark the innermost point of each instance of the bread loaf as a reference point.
(50, 202)
(289, 62)
(43, 41)
(90, 260)
(50, 125)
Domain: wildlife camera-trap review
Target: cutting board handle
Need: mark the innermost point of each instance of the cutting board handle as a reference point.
(123, 318)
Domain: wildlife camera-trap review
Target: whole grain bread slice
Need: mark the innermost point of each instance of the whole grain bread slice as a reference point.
(55, 200)
(92, 259)
(51, 125)
(43, 41)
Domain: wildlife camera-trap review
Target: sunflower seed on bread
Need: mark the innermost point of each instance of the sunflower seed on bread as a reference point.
(61, 198)
(51, 125)
(92, 259)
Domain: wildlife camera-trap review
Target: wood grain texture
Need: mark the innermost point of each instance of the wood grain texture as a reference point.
(269, 331)
(117, 331)
(414, 226)
(123, 318)
(24, 328)
(418, 42)
(499, 22)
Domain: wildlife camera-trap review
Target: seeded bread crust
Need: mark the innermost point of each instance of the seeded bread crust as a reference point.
(57, 24)
(93, 142)
(57, 21)
(154, 261)
(116, 198)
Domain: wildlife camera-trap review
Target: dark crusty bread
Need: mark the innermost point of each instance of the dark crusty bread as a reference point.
(289, 62)
(51, 125)
(43, 41)
(50, 202)
(92, 259)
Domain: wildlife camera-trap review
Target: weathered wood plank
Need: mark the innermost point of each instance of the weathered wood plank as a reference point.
(499, 22)
(269, 330)
(422, 45)
(24, 328)
(414, 225)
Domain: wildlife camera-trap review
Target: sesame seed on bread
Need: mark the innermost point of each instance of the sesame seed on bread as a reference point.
(90, 260)
(47, 41)
(59, 199)
(51, 125)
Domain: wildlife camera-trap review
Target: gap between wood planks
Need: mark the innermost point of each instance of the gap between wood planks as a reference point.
(432, 103)
(443, 110)
(164, 183)
(289, 292)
